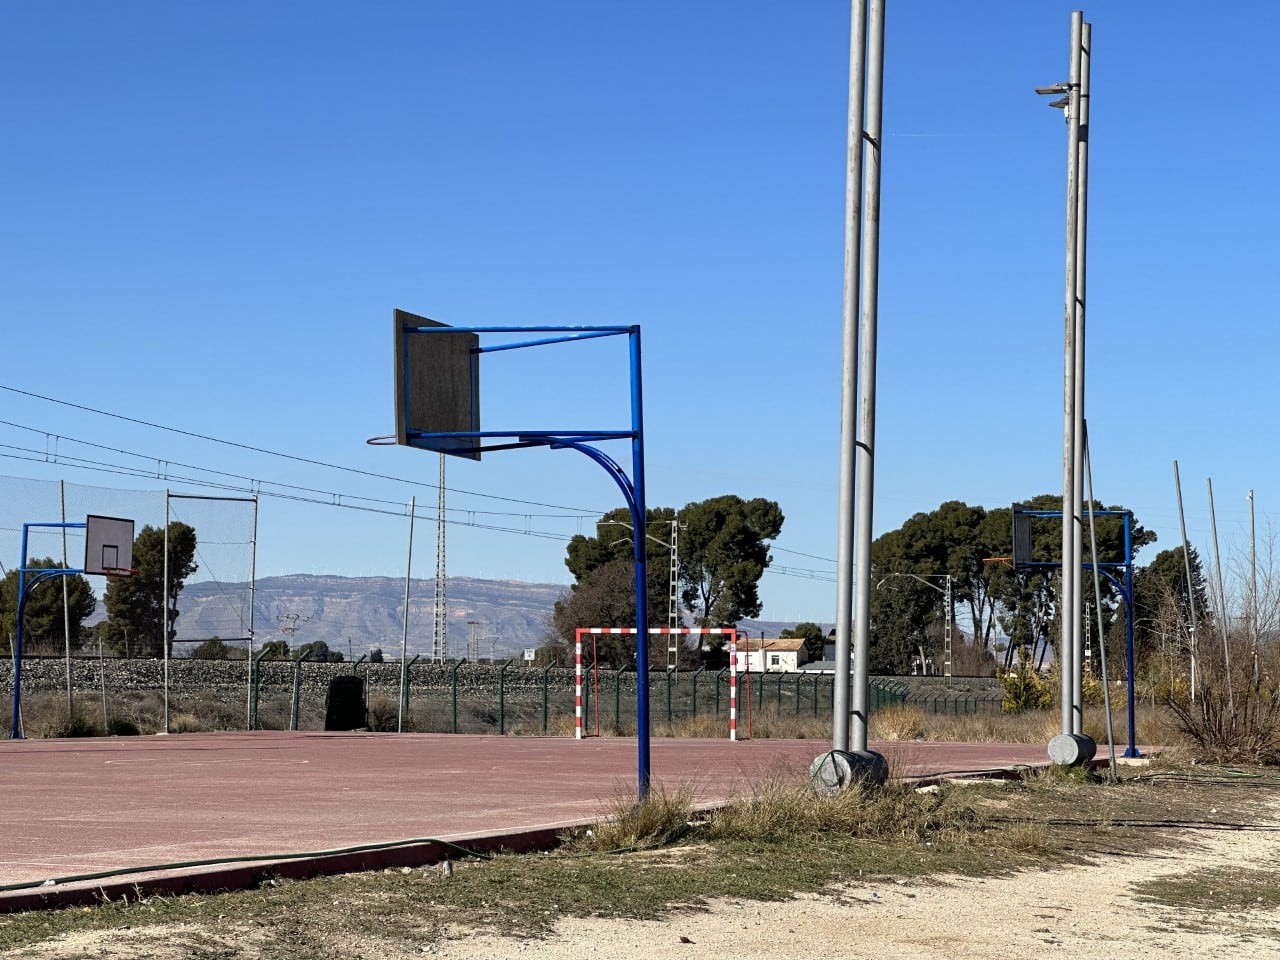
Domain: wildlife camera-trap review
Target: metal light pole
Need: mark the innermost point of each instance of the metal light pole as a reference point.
(849, 374)
(1071, 746)
(849, 758)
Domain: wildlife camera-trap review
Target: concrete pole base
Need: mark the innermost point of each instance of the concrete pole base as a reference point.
(838, 770)
(1072, 749)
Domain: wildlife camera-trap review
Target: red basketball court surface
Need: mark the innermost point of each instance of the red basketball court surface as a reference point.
(220, 810)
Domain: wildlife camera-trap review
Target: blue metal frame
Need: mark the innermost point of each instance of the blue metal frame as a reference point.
(1126, 591)
(41, 574)
(579, 439)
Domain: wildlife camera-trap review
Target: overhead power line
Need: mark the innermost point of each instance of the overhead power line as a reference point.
(297, 493)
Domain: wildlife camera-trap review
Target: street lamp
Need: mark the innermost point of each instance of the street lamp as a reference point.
(949, 610)
(1072, 747)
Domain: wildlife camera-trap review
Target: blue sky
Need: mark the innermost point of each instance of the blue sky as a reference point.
(210, 210)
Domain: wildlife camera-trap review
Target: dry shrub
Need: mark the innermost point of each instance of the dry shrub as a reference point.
(383, 713)
(660, 818)
(897, 722)
(185, 722)
(1235, 717)
(46, 718)
(1027, 837)
(561, 725)
(218, 714)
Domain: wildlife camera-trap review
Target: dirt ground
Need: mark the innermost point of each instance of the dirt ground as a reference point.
(1088, 911)
(1074, 912)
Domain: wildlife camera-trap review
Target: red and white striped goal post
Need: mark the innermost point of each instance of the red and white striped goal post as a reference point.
(580, 632)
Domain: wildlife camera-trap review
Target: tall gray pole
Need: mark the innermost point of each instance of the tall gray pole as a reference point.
(1253, 588)
(869, 296)
(404, 638)
(1223, 618)
(849, 374)
(1077, 476)
(1070, 598)
(1191, 587)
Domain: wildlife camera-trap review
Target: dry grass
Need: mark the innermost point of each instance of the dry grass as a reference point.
(898, 722)
(185, 723)
(779, 812)
(660, 818)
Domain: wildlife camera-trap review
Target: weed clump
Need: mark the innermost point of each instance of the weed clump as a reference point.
(659, 819)
(777, 813)
(898, 722)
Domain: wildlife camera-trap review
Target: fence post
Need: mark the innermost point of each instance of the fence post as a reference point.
(453, 691)
(617, 697)
(797, 694)
(255, 677)
(669, 672)
(502, 698)
(404, 691)
(297, 688)
(695, 689)
(719, 677)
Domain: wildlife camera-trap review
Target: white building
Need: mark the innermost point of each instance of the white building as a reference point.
(770, 656)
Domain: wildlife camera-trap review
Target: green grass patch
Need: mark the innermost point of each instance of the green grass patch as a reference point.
(1215, 890)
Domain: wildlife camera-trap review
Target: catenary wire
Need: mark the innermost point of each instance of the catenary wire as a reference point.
(276, 453)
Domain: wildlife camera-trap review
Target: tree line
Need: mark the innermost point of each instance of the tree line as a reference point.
(1012, 613)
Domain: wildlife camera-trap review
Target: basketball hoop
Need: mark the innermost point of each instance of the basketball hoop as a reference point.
(387, 441)
(1005, 560)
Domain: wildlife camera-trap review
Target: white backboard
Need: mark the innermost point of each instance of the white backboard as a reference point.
(108, 545)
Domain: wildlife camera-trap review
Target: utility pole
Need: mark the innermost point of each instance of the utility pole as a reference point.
(948, 612)
(673, 598)
(290, 624)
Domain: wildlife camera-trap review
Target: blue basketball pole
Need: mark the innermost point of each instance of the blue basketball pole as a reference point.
(446, 441)
(638, 515)
(40, 575)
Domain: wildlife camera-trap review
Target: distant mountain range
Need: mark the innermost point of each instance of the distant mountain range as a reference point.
(356, 614)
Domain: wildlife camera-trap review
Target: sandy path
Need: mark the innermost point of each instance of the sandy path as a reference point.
(1073, 912)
